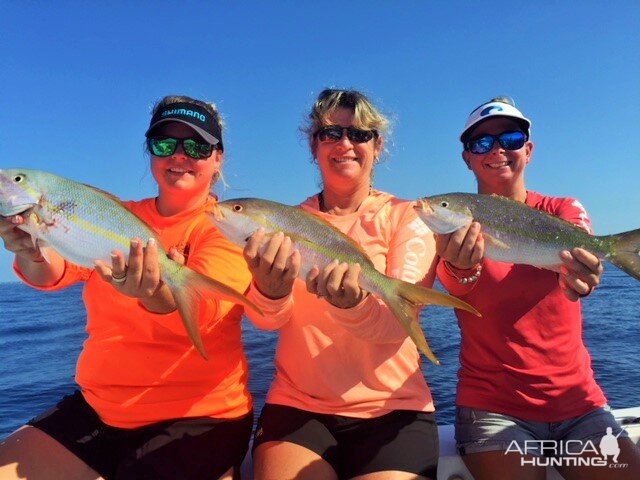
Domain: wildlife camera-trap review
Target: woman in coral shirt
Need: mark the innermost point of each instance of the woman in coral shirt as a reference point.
(349, 398)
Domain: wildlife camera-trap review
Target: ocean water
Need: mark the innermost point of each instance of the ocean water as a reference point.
(41, 335)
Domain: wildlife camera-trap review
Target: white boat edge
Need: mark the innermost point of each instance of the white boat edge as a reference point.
(451, 466)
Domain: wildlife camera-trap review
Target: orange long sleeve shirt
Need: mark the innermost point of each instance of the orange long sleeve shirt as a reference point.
(138, 367)
(356, 362)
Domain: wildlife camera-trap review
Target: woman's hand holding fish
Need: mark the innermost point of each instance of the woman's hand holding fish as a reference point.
(580, 273)
(274, 266)
(337, 283)
(32, 264)
(18, 241)
(140, 278)
(462, 249)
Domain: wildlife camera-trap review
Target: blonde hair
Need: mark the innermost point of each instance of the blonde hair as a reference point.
(504, 99)
(365, 114)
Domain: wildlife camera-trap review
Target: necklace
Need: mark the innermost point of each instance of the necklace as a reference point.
(323, 207)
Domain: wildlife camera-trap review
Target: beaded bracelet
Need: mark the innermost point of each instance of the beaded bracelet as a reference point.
(464, 280)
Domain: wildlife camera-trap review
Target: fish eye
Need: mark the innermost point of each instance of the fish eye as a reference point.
(444, 204)
(237, 208)
(18, 178)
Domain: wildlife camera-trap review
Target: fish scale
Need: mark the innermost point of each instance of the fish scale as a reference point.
(99, 230)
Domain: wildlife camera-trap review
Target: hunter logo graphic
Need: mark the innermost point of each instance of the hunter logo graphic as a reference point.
(609, 445)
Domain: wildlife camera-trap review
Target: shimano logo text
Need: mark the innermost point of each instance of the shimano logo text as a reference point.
(184, 112)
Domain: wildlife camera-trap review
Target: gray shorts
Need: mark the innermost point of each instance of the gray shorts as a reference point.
(482, 431)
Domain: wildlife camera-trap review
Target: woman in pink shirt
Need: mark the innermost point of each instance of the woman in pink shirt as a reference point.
(349, 399)
(525, 381)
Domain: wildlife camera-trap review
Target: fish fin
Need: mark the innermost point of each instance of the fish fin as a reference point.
(45, 251)
(188, 288)
(34, 238)
(408, 314)
(626, 252)
(31, 226)
(404, 303)
(495, 242)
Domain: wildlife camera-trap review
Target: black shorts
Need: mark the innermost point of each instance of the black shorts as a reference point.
(402, 440)
(193, 448)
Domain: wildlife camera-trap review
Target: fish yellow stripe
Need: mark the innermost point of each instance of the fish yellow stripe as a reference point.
(93, 228)
(80, 222)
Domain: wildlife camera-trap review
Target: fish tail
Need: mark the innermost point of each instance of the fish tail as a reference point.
(189, 288)
(626, 252)
(404, 303)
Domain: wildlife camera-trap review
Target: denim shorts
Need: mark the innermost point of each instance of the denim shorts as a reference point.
(481, 431)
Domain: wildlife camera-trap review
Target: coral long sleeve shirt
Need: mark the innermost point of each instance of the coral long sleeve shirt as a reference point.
(138, 367)
(356, 362)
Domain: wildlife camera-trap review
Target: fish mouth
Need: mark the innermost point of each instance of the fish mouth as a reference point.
(423, 205)
(16, 209)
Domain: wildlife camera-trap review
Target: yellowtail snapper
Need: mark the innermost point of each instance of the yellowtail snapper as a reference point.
(516, 233)
(319, 244)
(84, 224)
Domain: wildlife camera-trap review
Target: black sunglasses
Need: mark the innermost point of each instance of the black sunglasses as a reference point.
(333, 133)
(507, 140)
(166, 146)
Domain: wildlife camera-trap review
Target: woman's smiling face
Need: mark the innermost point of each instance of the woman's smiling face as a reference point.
(179, 172)
(345, 161)
(498, 167)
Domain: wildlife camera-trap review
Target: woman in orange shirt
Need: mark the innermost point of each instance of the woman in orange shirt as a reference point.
(349, 398)
(148, 405)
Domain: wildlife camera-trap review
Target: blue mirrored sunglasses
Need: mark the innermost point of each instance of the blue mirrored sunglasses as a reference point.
(507, 140)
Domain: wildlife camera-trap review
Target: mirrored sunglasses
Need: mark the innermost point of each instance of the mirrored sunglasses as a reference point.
(333, 133)
(166, 146)
(507, 140)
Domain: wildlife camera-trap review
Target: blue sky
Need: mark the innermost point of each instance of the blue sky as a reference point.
(78, 83)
